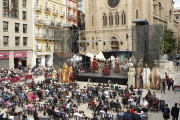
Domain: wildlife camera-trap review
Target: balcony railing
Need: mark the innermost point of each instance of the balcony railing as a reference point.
(48, 48)
(38, 21)
(62, 13)
(55, 11)
(47, 36)
(69, 6)
(38, 35)
(38, 7)
(24, 5)
(5, 29)
(72, 16)
(38, 47)
(47, 9)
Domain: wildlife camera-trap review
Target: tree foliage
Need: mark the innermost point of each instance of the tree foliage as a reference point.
(169, 41)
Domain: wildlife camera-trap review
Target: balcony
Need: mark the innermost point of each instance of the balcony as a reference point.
(38, 21)
(69, 6)
(47, 22)
(48, 37)
(47, 9)
(55, 12)
(59, 24)
(62, 14)
(48, 48)
(38, 48)
(74, 8)
(38, 8)
(39, 36)
(24, 5)
(72, 17)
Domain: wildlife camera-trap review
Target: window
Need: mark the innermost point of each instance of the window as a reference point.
(5, 8)
(170, 15)
(5, 40)
(24, 28)
(47, 46)
(47, 19)
(61, 21)
(92, 20)
(46, 4)
(24, 41)
(177, 17)
(24, 15)
(24, 3)
(16, 27)
(123, 16)
(136, 14)
(104, 20)
(92, 44)
(54, 8)
(61, 10)
(5, 26)
(117, 18)
(54, 20)
(110, 19)
(17, 41)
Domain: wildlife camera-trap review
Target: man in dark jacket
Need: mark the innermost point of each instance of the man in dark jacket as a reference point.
(136, 116)
(175, 112)
(128, 115)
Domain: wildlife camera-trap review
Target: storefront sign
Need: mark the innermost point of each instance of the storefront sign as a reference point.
(20, 54)
(39, 56)
(4, 55)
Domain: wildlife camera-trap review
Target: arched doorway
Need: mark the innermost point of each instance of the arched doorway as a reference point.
(114, 44)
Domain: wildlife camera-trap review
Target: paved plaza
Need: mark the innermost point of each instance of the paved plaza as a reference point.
(170, 98)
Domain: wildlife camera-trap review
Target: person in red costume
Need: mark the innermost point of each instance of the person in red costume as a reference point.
(73, 74)
(94, 68)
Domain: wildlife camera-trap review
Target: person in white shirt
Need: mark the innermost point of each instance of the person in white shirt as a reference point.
(106, 93)
(102, 113)
(144, 104)
(110, 114)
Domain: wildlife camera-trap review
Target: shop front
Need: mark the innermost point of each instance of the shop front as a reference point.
(4, 60)
(20, 59)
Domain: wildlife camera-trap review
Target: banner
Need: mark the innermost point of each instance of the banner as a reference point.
(122, 58)
(28, 77)
(15, 79)
(176, 88)
(50, 76)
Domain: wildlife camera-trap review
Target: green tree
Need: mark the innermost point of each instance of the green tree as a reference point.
(169, 41)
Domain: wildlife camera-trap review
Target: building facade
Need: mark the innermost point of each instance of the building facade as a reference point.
(72, 12)
(177, 19)
(16, 36)
(49, 16)
(112, 19)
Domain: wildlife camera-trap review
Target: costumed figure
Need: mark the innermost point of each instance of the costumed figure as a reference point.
(54, 74)
(94, 67)
(60, 74)
(146, 74)
(126, 66)
(73, 72)
(131, 76)
(107, 67)
(117, 61)
(155, 82)
(65, 73)
(139, 83)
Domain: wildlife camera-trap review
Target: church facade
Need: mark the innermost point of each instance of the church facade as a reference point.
(112, 19)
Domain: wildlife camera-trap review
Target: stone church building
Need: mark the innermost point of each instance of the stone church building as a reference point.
(112, 19)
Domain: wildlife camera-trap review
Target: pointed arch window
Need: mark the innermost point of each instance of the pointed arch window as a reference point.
(92, 20)
(117, 18)
(136, 14)
(110, 19)
(104, 20)
(123, 16)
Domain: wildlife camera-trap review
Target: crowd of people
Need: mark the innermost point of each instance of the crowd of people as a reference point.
(50, 99)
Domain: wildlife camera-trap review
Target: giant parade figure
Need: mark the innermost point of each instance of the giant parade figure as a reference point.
(131, 76)
(117, 62)
(139, 83)
(146, 74)
(155, 82)
(94, 66)
(65, 73)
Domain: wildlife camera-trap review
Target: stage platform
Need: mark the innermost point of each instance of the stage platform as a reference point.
(114, 77)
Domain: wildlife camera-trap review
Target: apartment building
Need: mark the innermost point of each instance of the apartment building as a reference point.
(177, 19)
(72, 12)
(16, 41)
(49, 16)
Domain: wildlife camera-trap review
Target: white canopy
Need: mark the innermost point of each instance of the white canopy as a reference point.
(100, 56)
